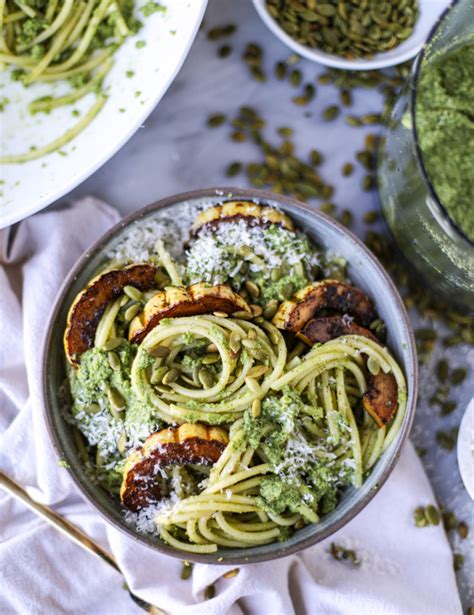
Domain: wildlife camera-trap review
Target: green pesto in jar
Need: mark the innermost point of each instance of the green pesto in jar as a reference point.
(445, 125)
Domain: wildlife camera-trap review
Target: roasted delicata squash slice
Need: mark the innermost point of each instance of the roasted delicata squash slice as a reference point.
(186, 444)
(179, 301)
(325, 295)
(89, 305)
(325, 328)
(381, 398)
(252, 213)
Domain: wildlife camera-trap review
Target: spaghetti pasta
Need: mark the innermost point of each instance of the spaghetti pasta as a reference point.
(298, 434)
(61, 39)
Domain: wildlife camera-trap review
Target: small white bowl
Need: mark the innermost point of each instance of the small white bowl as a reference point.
(430, 10)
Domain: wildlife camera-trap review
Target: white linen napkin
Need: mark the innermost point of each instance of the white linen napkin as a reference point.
(404, 569)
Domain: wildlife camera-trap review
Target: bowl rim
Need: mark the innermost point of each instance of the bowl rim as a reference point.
(225, 193)
(376, 62)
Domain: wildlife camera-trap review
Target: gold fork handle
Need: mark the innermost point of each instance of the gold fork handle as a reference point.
(58, 522)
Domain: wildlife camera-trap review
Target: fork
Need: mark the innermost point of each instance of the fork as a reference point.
(72, 532)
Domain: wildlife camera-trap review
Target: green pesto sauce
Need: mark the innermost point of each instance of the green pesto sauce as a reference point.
(445, 123)
(301, 479)
(89, 385)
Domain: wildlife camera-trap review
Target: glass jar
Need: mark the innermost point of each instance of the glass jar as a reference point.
(434, 246)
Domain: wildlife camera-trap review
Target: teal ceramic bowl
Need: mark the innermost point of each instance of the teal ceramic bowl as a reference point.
(364, 270)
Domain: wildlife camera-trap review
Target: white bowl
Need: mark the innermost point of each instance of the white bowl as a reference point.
(430, 10)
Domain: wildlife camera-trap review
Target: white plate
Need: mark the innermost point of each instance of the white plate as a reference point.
(28, 187)
(430, 10)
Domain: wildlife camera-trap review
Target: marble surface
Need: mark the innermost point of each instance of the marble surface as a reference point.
(174, 151)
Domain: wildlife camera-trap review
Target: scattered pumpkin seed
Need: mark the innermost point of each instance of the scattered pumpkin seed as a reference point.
(233, 169)
(370, 217)
(159, 352)
(270, 309)
(113, 359)
(463, 530)
(342, 554)
(131, 311)
(133, 293)
(209, 592)
(221, 314)
(171, 376)
(458, 561)
(331, 113)
(369, 182)
(347, 169)
(112, 343)
(231, 574)
(432, 515)
(252, 384)
(458, 375)
(213, 121)
(252, 288)
(157, 374)
(296, 77)
(211, 358)
(186, 570)
(116, 399)
(224, 51)
(221, 31)
(256, 408)
(211, 347)
(122, 442)
(257, 371)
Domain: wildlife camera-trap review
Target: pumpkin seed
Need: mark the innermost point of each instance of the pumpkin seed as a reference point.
(206, 378)
(270, 309)
(296, 77)
(235, 342)
(112, 343)
(170, 376)
(257, 371)
(256, 408)
(419, 517)
(346, 218)
(432, 515)
(116, 400)
(133, 293)
(315, 157)
(186, 570)
(280, 70)
(157, 374)
(131, 311)
(346, 98)
(231, 574)
(224, 51)
(370, 217)
(463, 530)
(213, 121)
(373, 366)
(252, 384)
(256, 311)
(210, 359)
(233, 169)
(369, 182)
(458, 561)
(251, 334)
(209, 592)
(211, 347)
(122, 442)
(252, 288)
(243, 315)
(458, 375)
(91, 408)
(331, 113)
(159, 351)
(276, 273)
(113, 359)
(221, 314)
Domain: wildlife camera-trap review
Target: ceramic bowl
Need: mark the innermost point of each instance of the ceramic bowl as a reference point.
(430, 10)
(364, 271)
